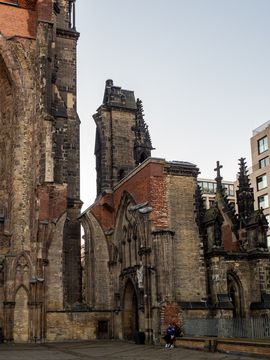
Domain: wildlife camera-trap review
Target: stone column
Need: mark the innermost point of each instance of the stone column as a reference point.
(164, 260)
(8, 320)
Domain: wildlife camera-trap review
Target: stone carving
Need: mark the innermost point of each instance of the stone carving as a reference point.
(139, 273)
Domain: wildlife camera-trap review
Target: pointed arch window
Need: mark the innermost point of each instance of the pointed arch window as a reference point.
(236, 294)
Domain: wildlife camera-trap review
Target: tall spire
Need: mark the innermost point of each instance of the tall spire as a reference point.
(143, 143)
(245, 197)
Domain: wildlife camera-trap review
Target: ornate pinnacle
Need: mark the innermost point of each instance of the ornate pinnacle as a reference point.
(245, 197)
(142, 131)
(243, 178)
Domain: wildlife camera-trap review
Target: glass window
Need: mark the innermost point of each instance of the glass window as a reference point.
(231, 190)
(261, 182)
(262, 144)
(205, 186)
(211, 187)
(263, 201)
(264, 162)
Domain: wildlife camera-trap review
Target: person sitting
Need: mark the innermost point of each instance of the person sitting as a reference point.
(170, 336)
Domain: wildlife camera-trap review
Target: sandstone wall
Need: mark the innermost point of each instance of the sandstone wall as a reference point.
(189, 271)
(75, 325)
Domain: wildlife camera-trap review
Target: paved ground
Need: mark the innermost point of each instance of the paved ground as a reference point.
(104, 350)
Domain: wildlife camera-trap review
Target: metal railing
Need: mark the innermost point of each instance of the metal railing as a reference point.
(253, 328)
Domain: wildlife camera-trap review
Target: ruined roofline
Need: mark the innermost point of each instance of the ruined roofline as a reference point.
(115, 96)
(183, 168)
(170, 167)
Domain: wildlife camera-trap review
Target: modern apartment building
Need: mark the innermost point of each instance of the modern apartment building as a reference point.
(260, 177)
(209, 187)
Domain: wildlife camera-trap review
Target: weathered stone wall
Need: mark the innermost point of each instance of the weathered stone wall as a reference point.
(54, 291)
(66, 149)
(6, 138)
(19, 157)
(98, 293)
(249, 274)
(37, 189)
(74, 325)
(115, 145)
(188, 252)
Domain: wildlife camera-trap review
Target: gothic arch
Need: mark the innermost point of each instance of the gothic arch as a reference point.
(129, 231)
(17, 117)
(97, 274)
(55, 296)
(235, 292)
(7, 134)
(143, 156)
(130, 315)
(22, 271)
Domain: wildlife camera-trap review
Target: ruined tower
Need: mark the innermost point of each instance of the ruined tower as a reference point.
(39, 165)
(122, 137)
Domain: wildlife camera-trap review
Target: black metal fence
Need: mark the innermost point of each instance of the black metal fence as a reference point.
(253, 328)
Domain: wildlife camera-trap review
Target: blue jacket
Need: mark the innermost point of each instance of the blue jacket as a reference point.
(170, 330)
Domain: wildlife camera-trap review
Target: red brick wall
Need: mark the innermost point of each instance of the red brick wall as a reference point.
(45, 9)
(27, 4)
(229, 245)
(148, 184)
(53, 201)
(103, 211)
(22, 21)
(17, 21)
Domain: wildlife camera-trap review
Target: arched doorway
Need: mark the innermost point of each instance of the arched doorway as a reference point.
(130, 312)
(235, 294)
(21, 316)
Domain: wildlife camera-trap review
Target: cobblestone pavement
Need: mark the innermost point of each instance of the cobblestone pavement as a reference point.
(104, 350)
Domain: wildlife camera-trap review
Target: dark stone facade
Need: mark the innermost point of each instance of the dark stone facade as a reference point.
(119, 122)
(39, 177)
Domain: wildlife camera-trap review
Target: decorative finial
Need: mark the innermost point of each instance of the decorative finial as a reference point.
(109, 82)
(219, 177)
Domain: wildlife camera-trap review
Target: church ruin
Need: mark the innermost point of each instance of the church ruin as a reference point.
(152, 252)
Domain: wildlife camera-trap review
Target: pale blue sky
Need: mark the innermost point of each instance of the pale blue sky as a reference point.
(201, 68)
